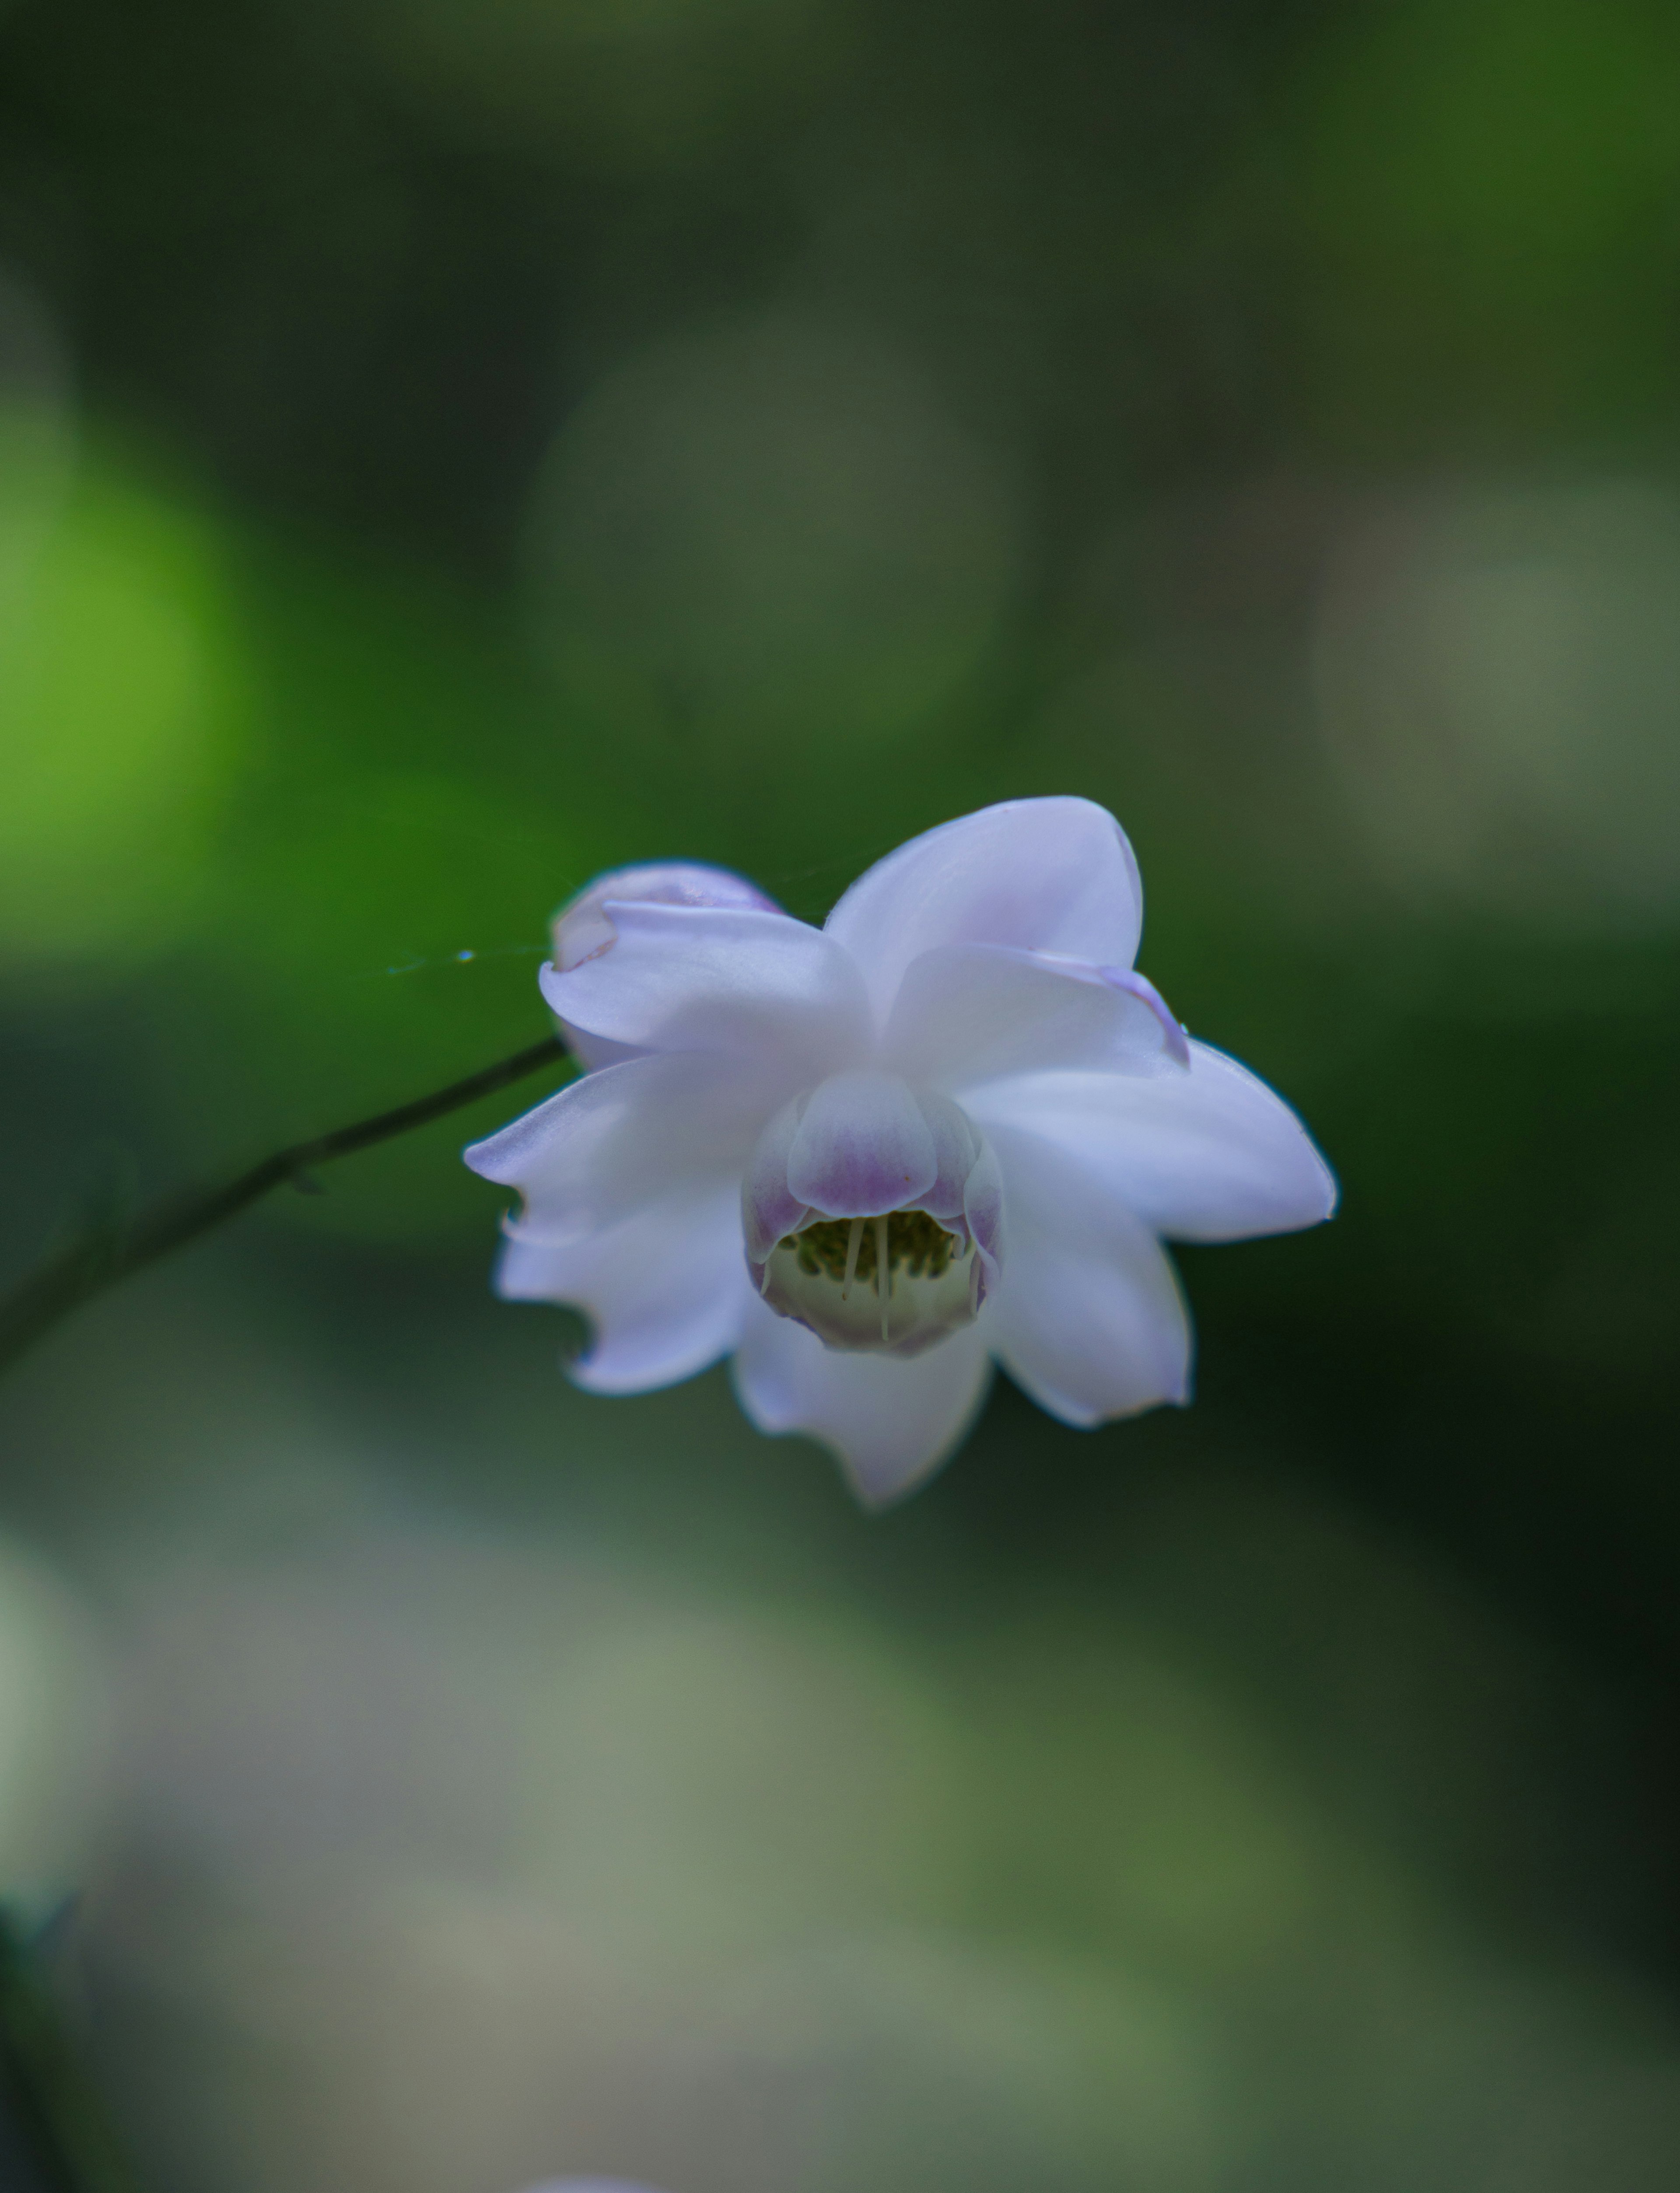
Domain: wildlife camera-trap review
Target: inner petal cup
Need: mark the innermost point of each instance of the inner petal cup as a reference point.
(863, 1147)
(890, 1285)
(856, 1216)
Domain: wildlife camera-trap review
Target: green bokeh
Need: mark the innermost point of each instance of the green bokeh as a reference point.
(1495, 189)
(125, 711)
(489, 445)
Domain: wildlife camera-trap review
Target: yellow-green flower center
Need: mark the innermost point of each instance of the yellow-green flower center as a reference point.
(916, 1246)
(896, 1282)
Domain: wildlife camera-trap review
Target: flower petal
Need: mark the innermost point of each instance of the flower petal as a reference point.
(583, 930)
(891, 1420)
(666, 1290)
(968, 1013)
(958, 1147)
(768, 1208)
(627, 1136)
(1210, 1155)
(721, 979)
(1086, 1314)
(983, 1212)
(862, 1147)
(1048, 875)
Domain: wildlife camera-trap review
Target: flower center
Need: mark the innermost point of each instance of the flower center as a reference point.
(895, 1283)
(850, 1248)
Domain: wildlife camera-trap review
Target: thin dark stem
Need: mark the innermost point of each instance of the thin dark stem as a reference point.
(106, 1254)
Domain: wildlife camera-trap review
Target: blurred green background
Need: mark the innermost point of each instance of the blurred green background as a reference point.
(447, 446)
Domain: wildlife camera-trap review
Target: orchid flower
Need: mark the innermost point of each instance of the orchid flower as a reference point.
(950, 1126)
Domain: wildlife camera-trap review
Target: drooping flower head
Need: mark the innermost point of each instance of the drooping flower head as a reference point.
(952, 1125)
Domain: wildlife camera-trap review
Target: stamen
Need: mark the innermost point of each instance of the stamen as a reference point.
(854, 1242)
(921, 1274)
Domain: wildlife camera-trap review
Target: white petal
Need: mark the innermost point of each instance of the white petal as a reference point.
(1087, 1315)
(958, 1147)
(582, 928)
(627, 1136)
(891, 1420)
(862, 1147)
(1049, 875)
(1210, 1155)
(721, 979)
(769, 1209)
(967, 1013)
(665, 1290)
(594, 1050)
(982, 1213)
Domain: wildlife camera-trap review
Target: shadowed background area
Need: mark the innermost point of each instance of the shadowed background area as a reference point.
(450, 447)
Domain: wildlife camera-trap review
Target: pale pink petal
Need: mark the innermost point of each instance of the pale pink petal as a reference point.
(891, 1420)
(1086, 1314)
(862, 1147)
(665, 1290)
(1210, 1155)
(967, 1013)
(721, 979)
(1048, 875)
(627, 1136)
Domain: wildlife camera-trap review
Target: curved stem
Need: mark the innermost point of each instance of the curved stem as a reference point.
(106, 1255)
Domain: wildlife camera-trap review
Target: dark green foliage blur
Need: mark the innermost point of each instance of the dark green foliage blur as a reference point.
(450, 447)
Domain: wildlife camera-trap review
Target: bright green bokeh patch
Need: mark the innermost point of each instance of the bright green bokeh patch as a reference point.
(121, 723)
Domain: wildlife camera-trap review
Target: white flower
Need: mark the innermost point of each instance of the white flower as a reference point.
(951, 1125)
